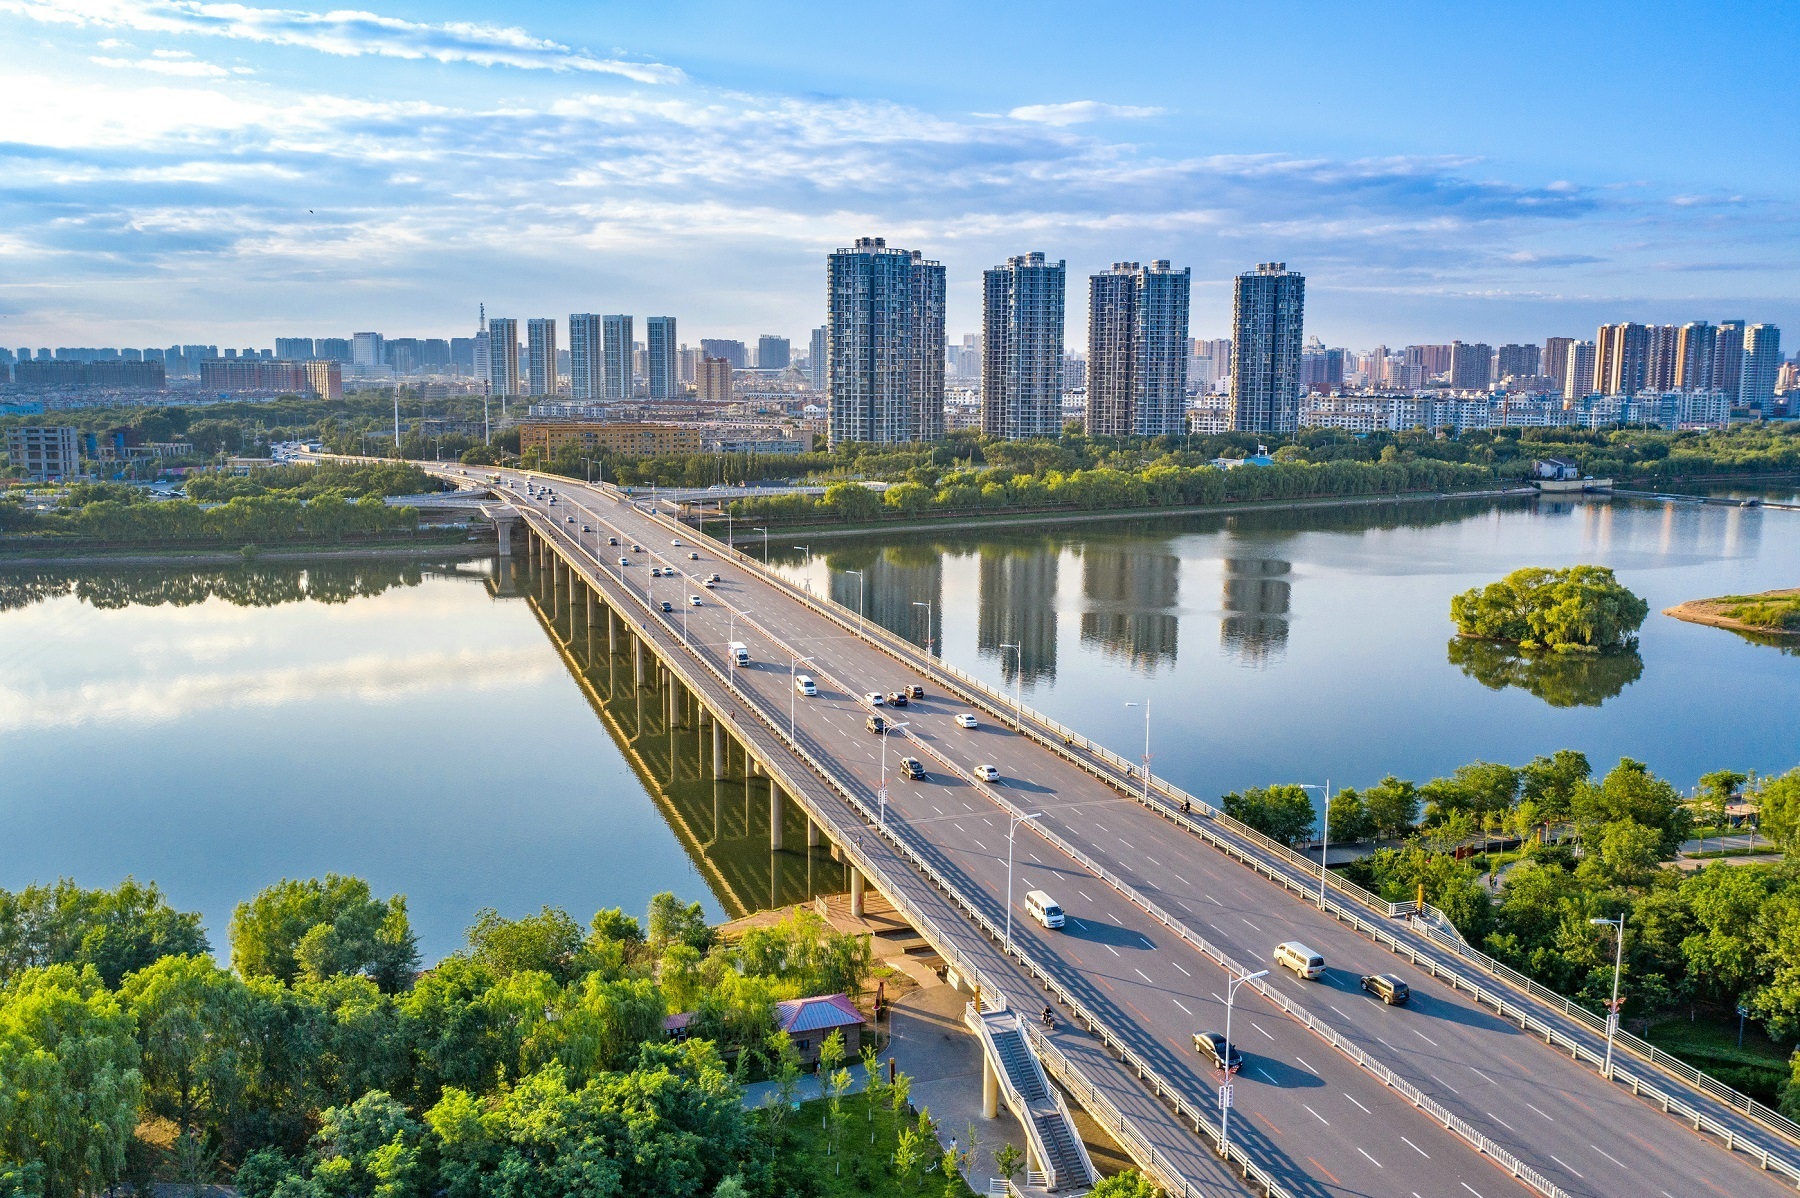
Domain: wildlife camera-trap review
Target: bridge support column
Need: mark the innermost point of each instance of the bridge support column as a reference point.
(774, 816)
(612, 632)
(674, 700)
(856, 897)
(813, 836)
(718, 749)
(990, 1088)
(637, 660)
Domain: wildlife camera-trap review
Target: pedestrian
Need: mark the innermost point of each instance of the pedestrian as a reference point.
(1185, 807)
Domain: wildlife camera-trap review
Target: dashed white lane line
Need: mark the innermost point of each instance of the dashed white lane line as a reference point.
(1540, 1112)
(1334, 1007)
(1316, 1115)
(1143, 975)
(1571, 1168)
(1112, 950)
(1371, 1159)
(1609, 1156)
(1153, 861)
(1421, 1035)
(1263, 1071)
(1033, 856)
(1115, 919)
(979, 845)
(1215, 902)
(1178, 1003)
(1503, 1123)
(1465, 1185)
(1251, 924)
(1359, 1106)
(1440, 1081)
(1258, 1027)
(1184, 972)
(1416, 1148)
(1484, 1077)
(1083, 893)
(1303, 1063)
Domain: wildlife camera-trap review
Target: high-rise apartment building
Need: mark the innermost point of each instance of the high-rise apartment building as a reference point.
(617, 348)
(324, 379)
(587, 362)
(715, 380)
(662, 364)
(1694, 346)
(772, 352)
(885, 344)
(816, 354)
(503, 356)
(1471, 365)
(1137, 350)
(730, 349)
(1762, 365)
(1580, 370)
(1022, 339)
(366, 350)
(1728, 359)
(1661, 358)
(540, 356)
(1555, 362)
(1622, 359)
(1268, 318)
(1516, 362)
(296, 348)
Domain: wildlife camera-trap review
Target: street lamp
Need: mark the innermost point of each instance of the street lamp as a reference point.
(1011, 827)
(1612, 1020)
(794, 660)
(881, 820)
(1325, 843)
(926, 604)
(765, 533)
(1224, 1102)
(1146, 749)
(859, 596)
(1018, 683)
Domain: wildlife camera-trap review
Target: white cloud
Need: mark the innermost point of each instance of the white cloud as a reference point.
(344, 32)
(1076, 112)
(170, 62)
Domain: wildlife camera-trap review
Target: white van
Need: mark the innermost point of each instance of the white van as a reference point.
(1043, 908)
(805, 685)
(1291, 954)
(740, 652)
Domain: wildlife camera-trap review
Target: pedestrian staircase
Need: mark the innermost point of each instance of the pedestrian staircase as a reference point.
(1061, 1158)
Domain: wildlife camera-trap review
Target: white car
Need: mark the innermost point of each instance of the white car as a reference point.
(708, 584)
(676, 542)
(987, 773)
(874, 699)
(805, 685)
(624, 561)
(965, 719)
(693, 601)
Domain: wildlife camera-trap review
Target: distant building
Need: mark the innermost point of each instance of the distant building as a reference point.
(772, 352)
(332, 349)
(1622, 356)
(1661, 360)
(300, 348)
(540, 356)
(1554, 363)
(1268, 322)
(1137, 350)
(620, 382)
(1579, 371)
(715, 380)
(662, 358)
(1694, 347)
(366, 350)
(44, 454)
(815, 358)
(1728, 359)
(587, 361)
(1556, 470)
(639, 440)
(1471, 366)
(885, 344)
(1022, 339)
(44, 374)
(324, 379)
(732, 351)
(1516, 362)
(1762, 365)
(503, 356)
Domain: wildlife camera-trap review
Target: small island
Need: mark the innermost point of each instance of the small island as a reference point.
(1579, 609)
(1772, 613)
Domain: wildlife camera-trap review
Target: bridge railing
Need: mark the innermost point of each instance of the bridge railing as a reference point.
(1301, 875)
(850, 844)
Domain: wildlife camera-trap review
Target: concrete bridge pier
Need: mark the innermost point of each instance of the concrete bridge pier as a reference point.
(813, 834)
(612, 632)
(990, 1088)
(674, 700)
(856, 898)
(637, 660)
(718, 749)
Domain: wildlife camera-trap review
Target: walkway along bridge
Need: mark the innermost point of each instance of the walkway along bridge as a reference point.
(1127, 1070)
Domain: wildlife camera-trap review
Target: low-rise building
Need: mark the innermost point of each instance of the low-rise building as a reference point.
(44, 453)
(808, 1021)
(637, 439)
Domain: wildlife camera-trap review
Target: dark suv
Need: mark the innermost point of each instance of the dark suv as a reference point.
(914, 768)
(1388, 988)
(875, 724)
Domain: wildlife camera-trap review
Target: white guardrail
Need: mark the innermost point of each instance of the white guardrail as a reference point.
(1179, 806)
(1159, 1167)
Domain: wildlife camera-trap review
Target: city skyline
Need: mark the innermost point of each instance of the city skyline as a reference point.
(625, 172)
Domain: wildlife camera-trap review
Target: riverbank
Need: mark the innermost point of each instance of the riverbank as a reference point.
(1001, 519)
(1770, 613)
(89, 556)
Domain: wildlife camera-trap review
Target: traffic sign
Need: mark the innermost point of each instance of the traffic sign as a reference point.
(1225, 1096)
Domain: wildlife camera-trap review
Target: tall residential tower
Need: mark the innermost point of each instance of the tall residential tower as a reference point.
(1137, 350)
(616, 352)
(662, 358)
(540, 356)
(885, 344)
(1268, 318)
(1022, 339)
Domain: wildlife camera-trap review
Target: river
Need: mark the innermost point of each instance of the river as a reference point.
(444, 732)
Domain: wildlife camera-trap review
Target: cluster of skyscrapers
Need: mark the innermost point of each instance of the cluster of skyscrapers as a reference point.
(885, 351)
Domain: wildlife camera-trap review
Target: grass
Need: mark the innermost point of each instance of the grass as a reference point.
(1759, 851)
(1777, 613)
(860, 1169)
(1709, 1042)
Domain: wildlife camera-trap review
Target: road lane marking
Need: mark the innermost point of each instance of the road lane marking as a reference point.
(1112, 950)
(1485, 1077)
(1359, 1106)
(1215, 902)
(1316, 1115)
(1421, 1035)
(1503, 1123)
(1325, 1171)
(1372, 1160)
(1251, 924)
(1416, 1148)
(1033, 856)
(1571, 1168)
(1303, 1063)
(1178, 1003)
(1143, 975)
(1153, 861)
(1184, 972)
(1440, 1081)
(1334, 1007)
(1609, 1156)
(1465, 1185)
(1264, 1072)
(979, 845)
(1540, 1112)
(1258, 1027)
(1083, 893)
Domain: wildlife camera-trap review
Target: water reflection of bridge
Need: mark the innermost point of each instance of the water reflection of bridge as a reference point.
(721, 817)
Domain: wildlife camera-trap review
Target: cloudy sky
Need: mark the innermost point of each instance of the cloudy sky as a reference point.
(178, 170)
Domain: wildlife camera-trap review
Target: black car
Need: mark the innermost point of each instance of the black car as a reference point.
(1218, 1050)
(1388, 988)
(914, 768)
(896, 698)
(667, 606)
(916, 691)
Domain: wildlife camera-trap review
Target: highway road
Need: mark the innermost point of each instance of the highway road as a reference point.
(1315, 1119)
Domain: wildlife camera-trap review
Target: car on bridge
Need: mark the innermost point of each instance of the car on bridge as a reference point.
(876, 724)
(803, 683)
(987, 773)
(714, 577)
(896, 699)
(693, 557)
(693, 601)
(874, 699)
(612, 540)
(1389, 989)
(966, 719)
(1220, 1051)
(915, 769)
(667, 606)
(636, 548)
(707, 583)
(676, 542)
(624, 561)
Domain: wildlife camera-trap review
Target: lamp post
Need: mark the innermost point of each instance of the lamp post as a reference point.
(882, 794)
(1325, 842)
(765, 533)
(1012, 827)
(1018, 683)
(794, 660)
(1146, 749)
(1224, 1104)
(926, 604)
(860, 620)
(1612, 1020)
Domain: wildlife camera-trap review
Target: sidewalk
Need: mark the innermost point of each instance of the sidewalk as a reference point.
(943, 1058)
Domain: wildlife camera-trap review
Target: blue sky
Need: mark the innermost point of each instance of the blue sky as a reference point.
(229, 173)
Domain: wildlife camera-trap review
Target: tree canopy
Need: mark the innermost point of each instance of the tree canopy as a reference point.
(1577, 609)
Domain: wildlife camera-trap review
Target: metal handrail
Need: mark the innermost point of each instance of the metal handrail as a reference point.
(1016, 1099)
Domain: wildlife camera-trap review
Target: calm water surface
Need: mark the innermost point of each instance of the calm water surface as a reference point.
(450, 733)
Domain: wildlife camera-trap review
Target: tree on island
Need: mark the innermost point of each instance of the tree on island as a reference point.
(1581, 609)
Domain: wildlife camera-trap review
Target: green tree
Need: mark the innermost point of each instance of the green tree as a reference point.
(371, 1148)
(193, 1023)
(909, 1155)
(1348, 819)
(321, 929)
(1718, 790)
(1008, 1160)
(549, 941)
(1392, 807)
(1550, 782)
(1283, 812)
(1630, 791)
(1578, 609)
(69, 1079)
(115, 931)
(672, 920)
(1778, 800)
(1126, 1184)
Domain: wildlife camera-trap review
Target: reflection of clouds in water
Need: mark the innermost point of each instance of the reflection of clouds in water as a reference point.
(1256, 601)
(369, 679)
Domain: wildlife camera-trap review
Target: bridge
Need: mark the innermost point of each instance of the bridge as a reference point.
(1483, 1083)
